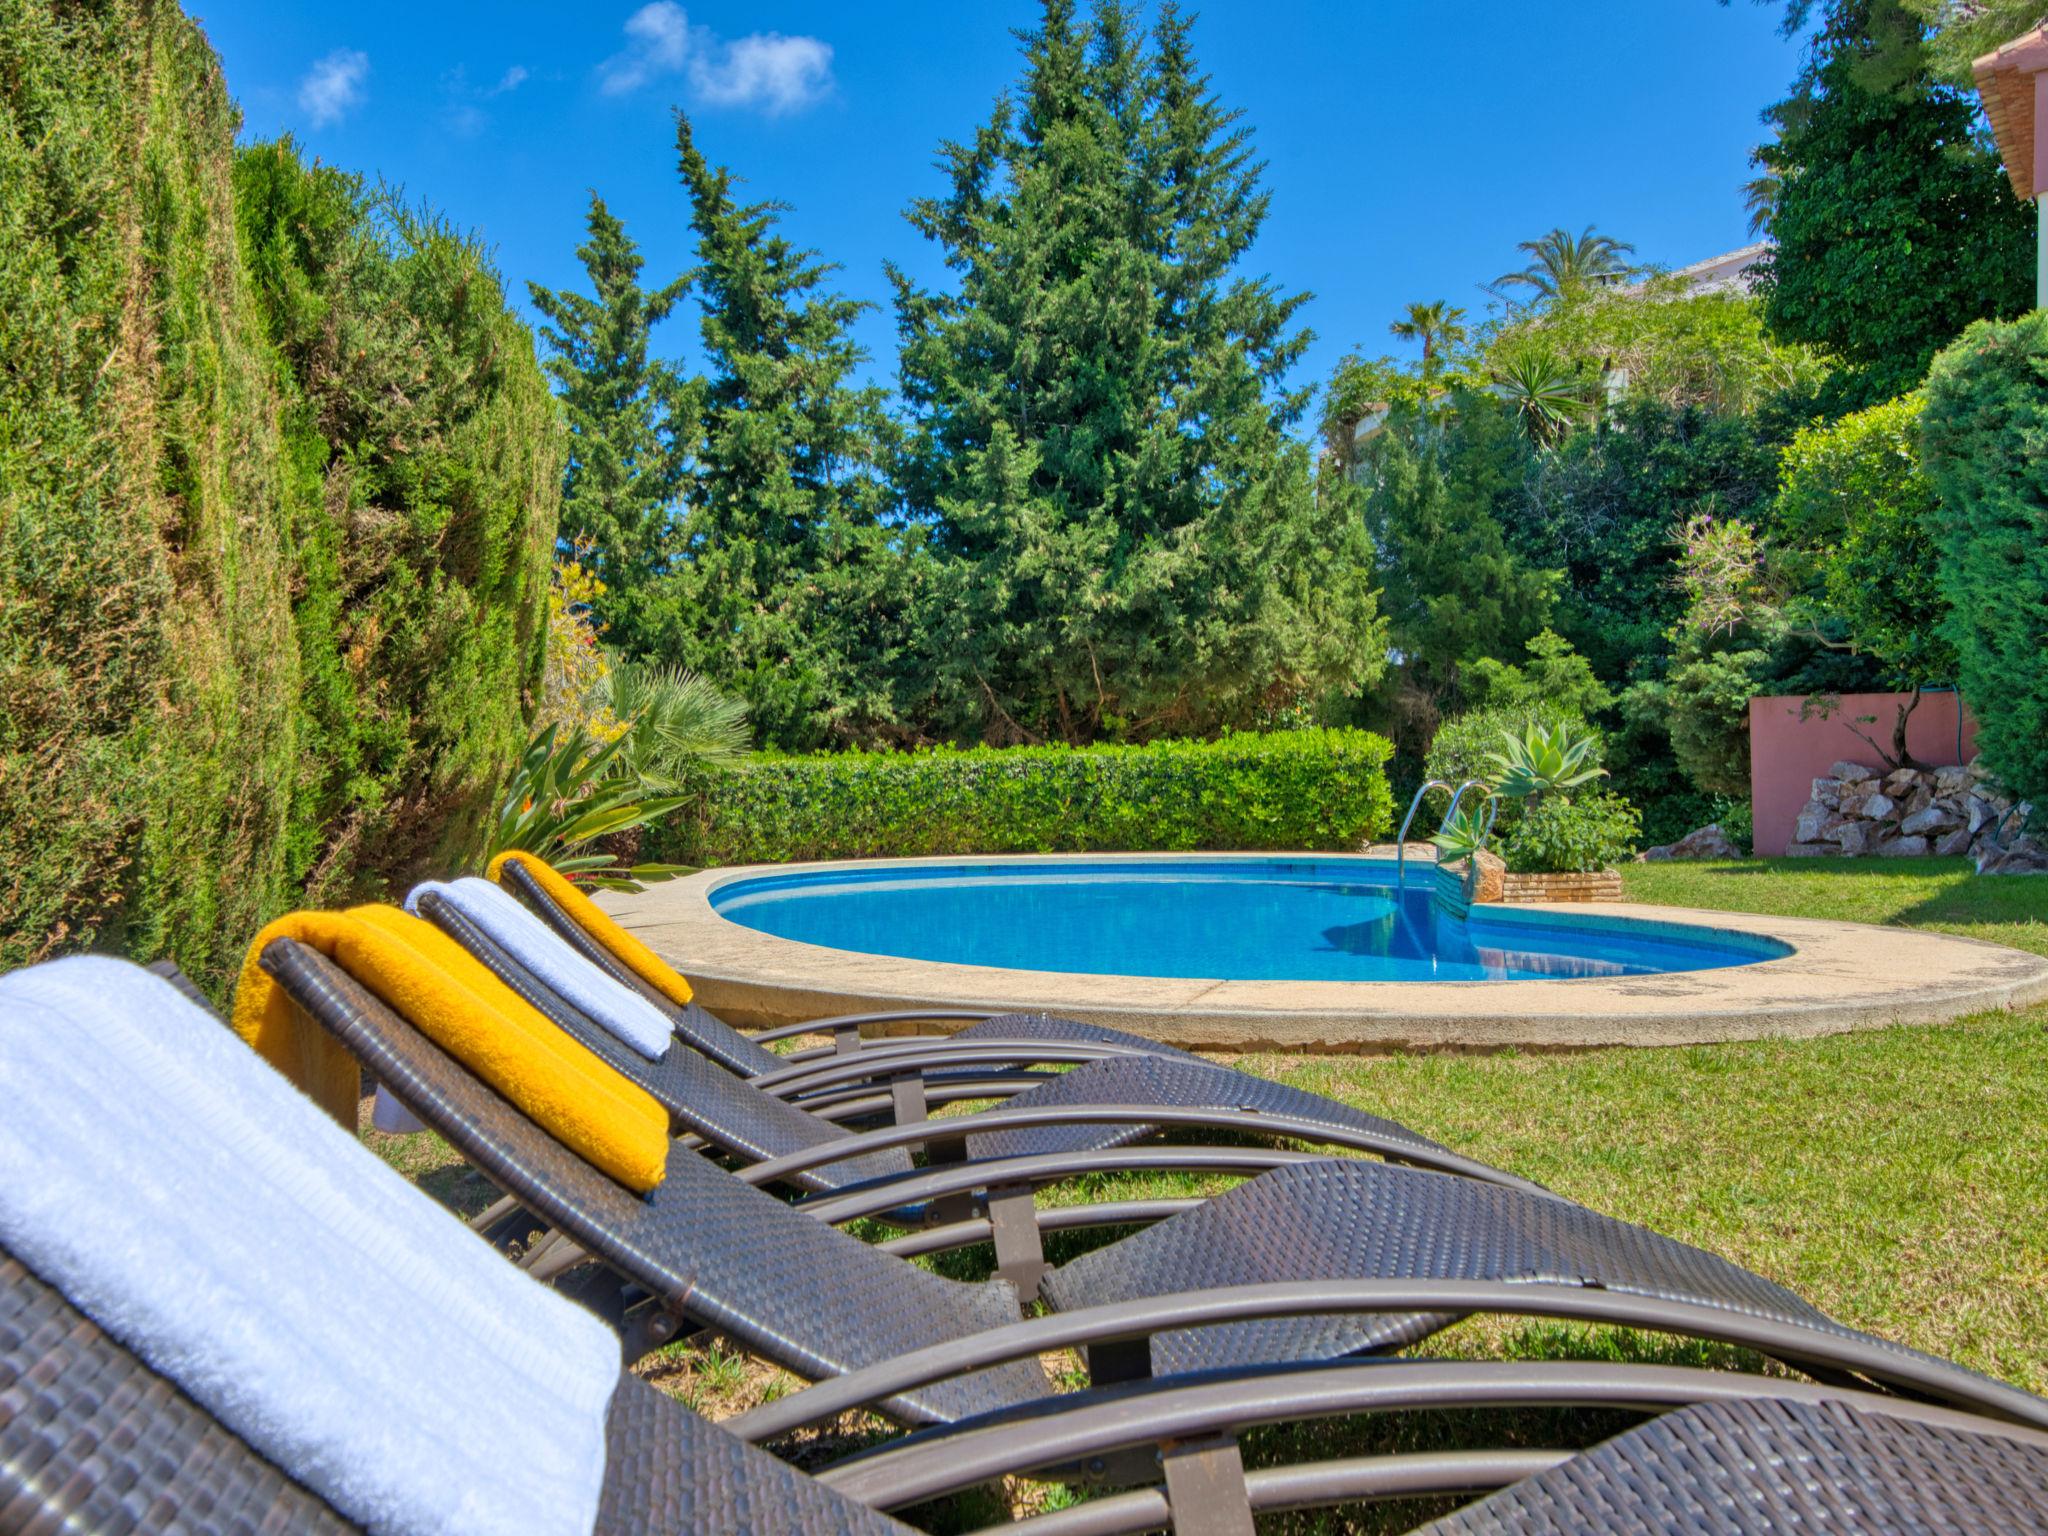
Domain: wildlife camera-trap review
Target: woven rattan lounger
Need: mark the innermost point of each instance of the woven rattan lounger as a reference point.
(1323, 1258)
(92, 1439)
(989, 1058)
(1062, 1126)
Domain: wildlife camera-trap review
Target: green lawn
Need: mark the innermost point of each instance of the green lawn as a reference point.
(1897, 1178)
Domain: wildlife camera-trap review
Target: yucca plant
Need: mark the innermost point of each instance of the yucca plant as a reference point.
(568, 791)
(1545, 759)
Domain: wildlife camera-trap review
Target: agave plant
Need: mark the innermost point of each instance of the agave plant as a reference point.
(674, 718)
(568, 791)
(1463, 833)
(1545, 759)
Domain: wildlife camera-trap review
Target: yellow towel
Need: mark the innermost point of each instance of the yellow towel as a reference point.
(449, 997)
(590, 917)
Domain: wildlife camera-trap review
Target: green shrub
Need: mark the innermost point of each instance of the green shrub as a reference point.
(278, 479)
(1556, 836)
(1984, 435)
(1317, 789)
(1463, 748)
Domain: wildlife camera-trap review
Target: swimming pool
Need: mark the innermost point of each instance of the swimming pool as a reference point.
(1281, 919)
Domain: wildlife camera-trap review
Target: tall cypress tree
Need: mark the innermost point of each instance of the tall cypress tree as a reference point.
(1895, 228)
(784, 591)
(632, 421)
(1127, 540)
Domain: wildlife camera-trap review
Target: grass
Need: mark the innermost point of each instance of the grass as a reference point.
(1893, 1177)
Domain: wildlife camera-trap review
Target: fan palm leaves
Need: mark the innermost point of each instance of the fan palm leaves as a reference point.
(1435, 325)
(675, 717)
(1562, 264)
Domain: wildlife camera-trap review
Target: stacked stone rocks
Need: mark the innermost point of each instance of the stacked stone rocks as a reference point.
(1857, 810)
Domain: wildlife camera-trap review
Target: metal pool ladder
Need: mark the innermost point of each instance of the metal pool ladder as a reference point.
(1401, 842)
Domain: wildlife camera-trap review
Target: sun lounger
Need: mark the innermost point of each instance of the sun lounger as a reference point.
(1326, 1257)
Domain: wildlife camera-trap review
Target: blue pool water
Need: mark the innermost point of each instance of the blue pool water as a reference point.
(1233, 919)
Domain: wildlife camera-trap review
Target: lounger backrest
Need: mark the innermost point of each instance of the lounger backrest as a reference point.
(92, 1439)
(695, 1027)
(729, 1256)
(706, 1099)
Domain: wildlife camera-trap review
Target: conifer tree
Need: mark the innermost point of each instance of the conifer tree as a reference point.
(632, 421)
(784, 590)
(1126, 539)
(1894, 226)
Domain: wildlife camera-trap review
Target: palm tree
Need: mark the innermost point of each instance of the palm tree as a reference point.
(1562, 264)
(1760, 197)
(1434, 325)
(677, 718)
(1542, 391)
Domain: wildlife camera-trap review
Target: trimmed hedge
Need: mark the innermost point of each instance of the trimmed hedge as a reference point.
(278, 483)
(1317, 790)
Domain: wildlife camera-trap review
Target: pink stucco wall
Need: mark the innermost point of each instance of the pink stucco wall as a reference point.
(1786, 754)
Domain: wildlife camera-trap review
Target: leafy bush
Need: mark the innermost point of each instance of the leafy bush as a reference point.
(1464, 748)
(1856, 517)
(570, 792)
(1983, 435)
(1556, 836)
(1318, 789)
(278, 478)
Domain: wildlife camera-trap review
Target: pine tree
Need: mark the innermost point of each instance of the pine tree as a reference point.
(1456, 592)
(785, 589)
(632, 421)
(1894, 227)
(1125, 537)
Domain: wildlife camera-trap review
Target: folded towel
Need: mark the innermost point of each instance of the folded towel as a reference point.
(447, 994)
(621, 1010)
(181, 1195)
(593, 920)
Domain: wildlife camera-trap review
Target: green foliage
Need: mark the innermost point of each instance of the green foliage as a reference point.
(786, 590)
(1548, 395)
(1557, 836)
(566, 794)
(1705, 707)
(674, 719)
(277, 478)
(1554, 675)
(1125, 539)
(1463, 748)
(1855, 517)
(1315, 789)
(1895, 226)
(1545, 760)
(1455, 592)
(1667, 347)
(633, 420)
(1985, 436)
(1603, 507)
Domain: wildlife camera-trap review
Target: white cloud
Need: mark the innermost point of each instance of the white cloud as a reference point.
(765, 70)
(333, 85)
(511, 80)
(658, 40)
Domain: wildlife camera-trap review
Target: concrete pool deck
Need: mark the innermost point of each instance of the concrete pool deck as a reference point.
(1839, 976)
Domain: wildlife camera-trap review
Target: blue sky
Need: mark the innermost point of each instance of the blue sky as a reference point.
(1410, 143)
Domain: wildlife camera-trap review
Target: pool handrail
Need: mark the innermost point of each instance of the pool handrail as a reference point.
(1401, 839)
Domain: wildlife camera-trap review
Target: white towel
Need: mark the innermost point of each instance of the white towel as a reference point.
(621, 1010)
(191, 1202)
